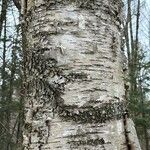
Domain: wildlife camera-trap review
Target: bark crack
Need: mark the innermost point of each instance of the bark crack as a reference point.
(129, 144)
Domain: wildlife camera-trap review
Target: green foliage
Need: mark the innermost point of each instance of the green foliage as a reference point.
(139, 103)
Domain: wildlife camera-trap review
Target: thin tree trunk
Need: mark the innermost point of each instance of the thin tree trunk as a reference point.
(142, 100)
(3, 14)
(132, 66)
(19, 133)
(127, 42)
(146, 136)
(137, 36)
(75, 90)
(11, 88)
(4, 92)
(131, 26)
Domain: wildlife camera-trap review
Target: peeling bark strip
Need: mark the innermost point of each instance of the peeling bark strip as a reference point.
(75, 96)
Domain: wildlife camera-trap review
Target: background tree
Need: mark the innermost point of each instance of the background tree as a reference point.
(10, 74)
(138, 71)
(4, 6)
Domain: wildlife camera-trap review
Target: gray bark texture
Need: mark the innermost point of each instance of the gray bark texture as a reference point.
(75, 97)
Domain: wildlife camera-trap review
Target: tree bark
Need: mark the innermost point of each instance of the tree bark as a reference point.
(3, 127)
(75, 90)
(3, 14)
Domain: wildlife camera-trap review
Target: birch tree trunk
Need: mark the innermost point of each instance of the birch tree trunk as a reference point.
(75, 96)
